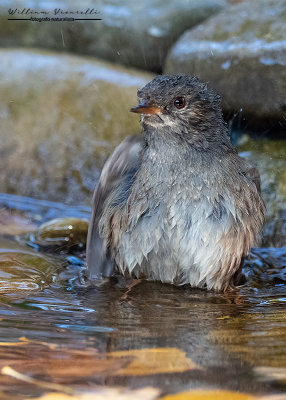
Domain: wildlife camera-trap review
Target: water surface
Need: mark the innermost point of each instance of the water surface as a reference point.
(62, 331)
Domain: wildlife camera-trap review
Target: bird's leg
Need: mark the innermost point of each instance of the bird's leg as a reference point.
(129, 287)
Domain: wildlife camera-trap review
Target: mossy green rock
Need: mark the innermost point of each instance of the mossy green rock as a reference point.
(132, 33)
(269, 156)
(61, 116)
(241, 52)
(62, 233)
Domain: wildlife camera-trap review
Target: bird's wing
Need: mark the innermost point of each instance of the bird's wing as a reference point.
(252, 173)
(123, 163)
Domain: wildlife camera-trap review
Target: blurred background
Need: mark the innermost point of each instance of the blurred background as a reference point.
(66, 87)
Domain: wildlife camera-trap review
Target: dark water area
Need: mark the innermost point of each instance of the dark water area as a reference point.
(234, 341)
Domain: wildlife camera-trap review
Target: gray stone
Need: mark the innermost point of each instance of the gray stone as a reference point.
(132, 33)
(242, 53)
(61, 116)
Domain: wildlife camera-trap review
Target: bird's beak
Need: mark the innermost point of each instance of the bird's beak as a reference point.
(146, 108)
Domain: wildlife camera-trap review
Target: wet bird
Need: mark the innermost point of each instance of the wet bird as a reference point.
(176, 204)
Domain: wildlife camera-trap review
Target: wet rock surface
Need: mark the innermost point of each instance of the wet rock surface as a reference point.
(62, 234)
(60, 117)
(266, 267)
(269, 156)
(241, 52)
(134, 33)
(22, 269)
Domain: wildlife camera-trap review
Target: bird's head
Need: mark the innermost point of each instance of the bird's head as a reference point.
(182, 105)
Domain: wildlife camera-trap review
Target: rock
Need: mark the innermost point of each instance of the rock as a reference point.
(241, 52)
(62, 234)
(133, 33)
(25, 270)
(269, 157)
(266, 266)
(35, 212)
(14, 223)
(61, 116)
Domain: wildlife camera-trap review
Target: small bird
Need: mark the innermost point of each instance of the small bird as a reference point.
(176, 204)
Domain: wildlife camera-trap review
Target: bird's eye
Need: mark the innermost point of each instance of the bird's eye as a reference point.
(179, 102)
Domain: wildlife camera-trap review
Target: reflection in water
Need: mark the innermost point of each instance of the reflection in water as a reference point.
(226, 336)
(225, 339)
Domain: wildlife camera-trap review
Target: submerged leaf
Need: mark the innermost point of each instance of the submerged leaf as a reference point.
(209, 395)
(60, 364)
(155, 361)
(67, 393)
(147, 393)
(49, 385)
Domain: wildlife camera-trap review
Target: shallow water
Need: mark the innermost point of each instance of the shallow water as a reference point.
(229, 337)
